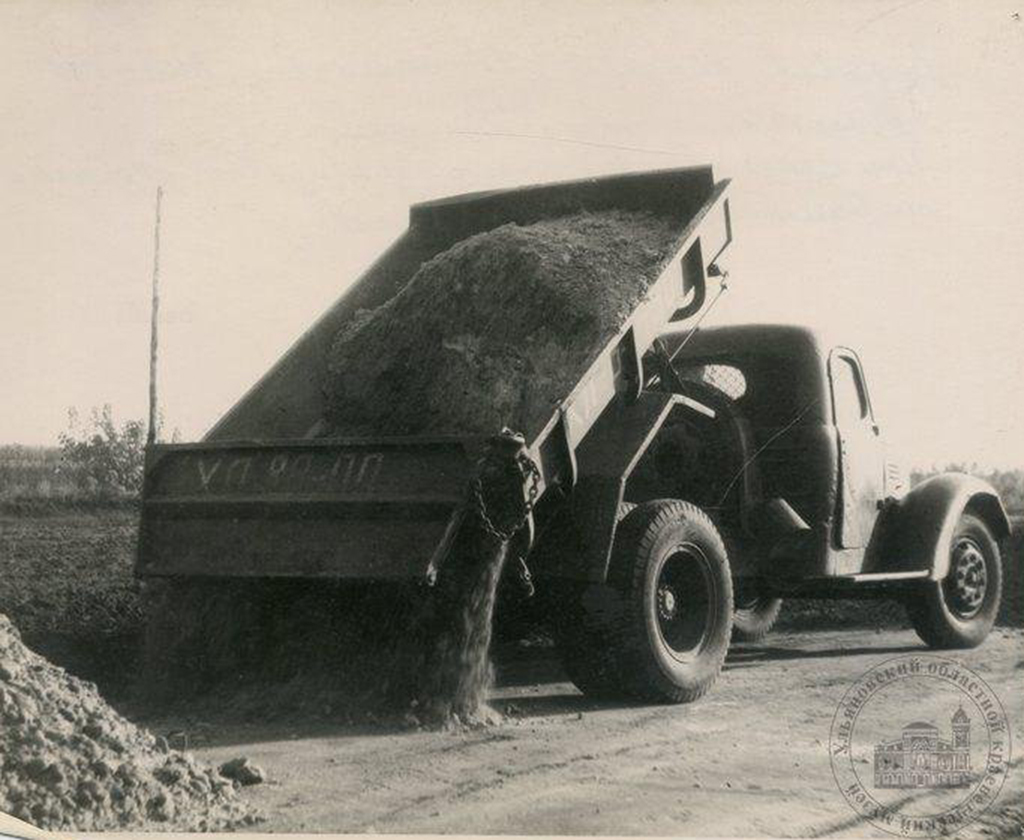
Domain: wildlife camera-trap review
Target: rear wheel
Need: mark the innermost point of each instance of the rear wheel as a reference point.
(659, 629)
(959, 610)
(754, 616)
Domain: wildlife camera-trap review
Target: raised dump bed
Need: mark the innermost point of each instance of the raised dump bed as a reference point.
(267, 494)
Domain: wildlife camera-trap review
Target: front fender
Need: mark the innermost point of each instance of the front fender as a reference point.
(915, 533)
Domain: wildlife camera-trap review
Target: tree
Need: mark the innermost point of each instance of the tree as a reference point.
(1008, 483)
(106, 458)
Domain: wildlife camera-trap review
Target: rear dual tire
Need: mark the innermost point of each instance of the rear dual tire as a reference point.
(754, 616)
(659, 629)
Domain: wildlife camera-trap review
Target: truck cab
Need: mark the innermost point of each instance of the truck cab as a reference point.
(771, 478)
(790, 463)
(795, 428)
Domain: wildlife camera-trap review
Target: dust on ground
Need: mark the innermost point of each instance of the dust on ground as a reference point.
(69, 761)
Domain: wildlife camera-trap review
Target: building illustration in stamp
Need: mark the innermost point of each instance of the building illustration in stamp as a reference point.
(919, 758)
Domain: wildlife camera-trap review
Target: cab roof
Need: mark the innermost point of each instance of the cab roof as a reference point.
(780, 339)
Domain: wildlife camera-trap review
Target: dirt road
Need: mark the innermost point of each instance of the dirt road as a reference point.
(749, 759)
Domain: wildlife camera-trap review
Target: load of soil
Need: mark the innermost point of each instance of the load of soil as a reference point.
(496, 330)
(69, 761)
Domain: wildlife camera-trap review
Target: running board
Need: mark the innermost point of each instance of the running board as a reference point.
(865, 585)
(882, 577)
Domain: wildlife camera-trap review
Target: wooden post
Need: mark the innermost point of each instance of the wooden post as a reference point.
(153, 417)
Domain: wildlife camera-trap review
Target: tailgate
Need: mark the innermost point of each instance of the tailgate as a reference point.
(370, 509)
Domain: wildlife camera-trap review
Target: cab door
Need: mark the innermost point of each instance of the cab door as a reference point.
(861, 456)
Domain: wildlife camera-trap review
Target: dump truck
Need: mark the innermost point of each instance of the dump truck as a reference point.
(691, 479)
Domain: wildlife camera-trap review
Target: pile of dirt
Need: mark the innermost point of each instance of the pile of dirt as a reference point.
(463, 674)
(442, 676)
(496, 330)
(68, 761)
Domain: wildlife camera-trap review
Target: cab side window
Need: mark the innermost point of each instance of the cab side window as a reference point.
(848, 395)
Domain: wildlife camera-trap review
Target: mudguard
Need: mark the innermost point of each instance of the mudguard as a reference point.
(915, 532)
(605, 460)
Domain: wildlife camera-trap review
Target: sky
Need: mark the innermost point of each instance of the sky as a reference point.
(876, 150)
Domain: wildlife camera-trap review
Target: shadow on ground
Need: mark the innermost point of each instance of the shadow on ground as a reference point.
(530, 684)
(743, 656)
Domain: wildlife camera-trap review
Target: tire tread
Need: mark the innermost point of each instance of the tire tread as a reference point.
(637, 536)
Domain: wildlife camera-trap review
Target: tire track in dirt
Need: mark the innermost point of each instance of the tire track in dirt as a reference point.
(593, 759)
(473, 787)
(749, 759)
(856, 820)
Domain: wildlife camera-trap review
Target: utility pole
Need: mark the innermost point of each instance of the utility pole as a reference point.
(151, 433)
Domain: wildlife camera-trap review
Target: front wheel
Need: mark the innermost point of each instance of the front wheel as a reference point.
(959, 610)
